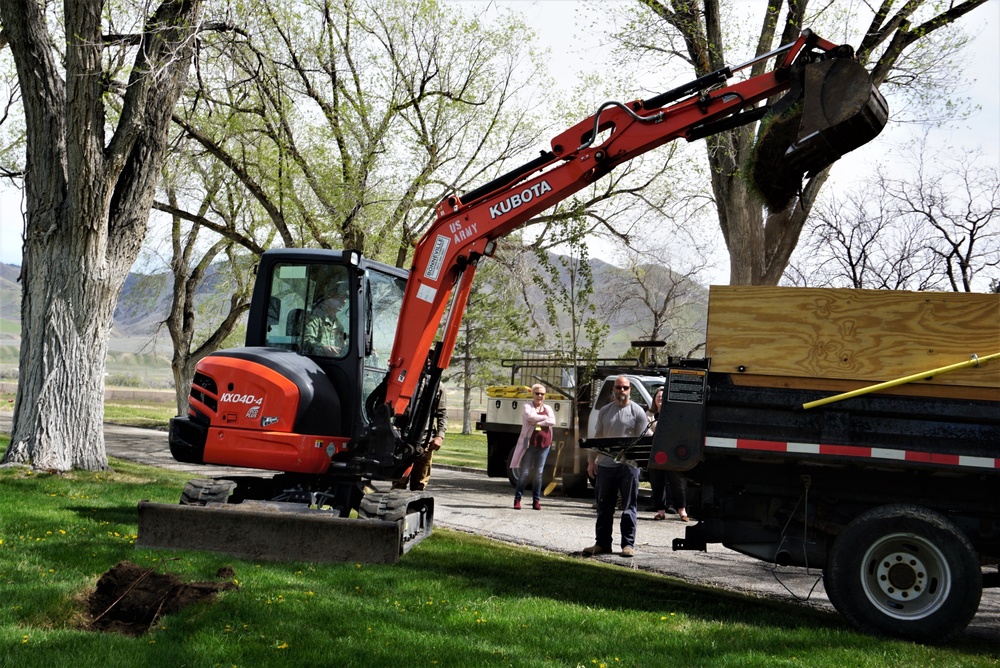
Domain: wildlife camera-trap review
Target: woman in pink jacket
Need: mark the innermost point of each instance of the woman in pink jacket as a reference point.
(533, 446)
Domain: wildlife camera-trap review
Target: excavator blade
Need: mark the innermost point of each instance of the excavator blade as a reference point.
(840, 110)
(389, 525)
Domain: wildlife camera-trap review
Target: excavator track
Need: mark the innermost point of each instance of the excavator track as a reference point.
(413, 510)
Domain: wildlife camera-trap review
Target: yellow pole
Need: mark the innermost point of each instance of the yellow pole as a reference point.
(973, 361)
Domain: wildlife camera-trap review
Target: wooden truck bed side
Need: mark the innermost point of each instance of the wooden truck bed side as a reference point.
(839, 339)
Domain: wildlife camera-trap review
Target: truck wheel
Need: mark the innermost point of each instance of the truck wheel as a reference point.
(576, 485)
(511, 473)
(547, 472)
(904, 571)
(499, 448)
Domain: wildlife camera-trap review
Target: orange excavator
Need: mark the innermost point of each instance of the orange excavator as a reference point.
(332, 415)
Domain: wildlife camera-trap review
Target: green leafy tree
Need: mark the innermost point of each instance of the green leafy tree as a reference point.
(337, 125)
(569, 311)
(905, 47)
(370, 112)
(495, 327)
(212, 282)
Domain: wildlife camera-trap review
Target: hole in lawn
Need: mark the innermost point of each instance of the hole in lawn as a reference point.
(129, 599)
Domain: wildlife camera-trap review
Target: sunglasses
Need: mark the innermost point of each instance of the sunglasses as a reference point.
(541, 394)
(621, 387)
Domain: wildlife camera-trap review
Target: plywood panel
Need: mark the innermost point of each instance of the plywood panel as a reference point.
(863, 335)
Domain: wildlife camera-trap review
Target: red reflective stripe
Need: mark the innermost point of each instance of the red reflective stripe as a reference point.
(750, 444)
(845, 450)
(932, 458)
(853, 451)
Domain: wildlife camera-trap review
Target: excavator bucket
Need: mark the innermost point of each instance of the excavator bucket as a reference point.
(388, 526)
(839, 110)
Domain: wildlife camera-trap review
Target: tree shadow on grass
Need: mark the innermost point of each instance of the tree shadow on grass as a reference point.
(510, 571)
(125, 517)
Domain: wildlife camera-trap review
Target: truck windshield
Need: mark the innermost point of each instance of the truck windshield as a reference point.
(309, 310)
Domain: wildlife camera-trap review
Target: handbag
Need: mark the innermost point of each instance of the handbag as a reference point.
(541, 438)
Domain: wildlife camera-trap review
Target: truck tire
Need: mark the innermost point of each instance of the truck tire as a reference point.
(547, 473)
(906, 572)
(577, 485)
(499, 448)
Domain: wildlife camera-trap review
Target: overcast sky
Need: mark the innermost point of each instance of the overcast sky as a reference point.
(576, 50)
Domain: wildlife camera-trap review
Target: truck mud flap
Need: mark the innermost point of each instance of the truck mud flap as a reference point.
(273, 531)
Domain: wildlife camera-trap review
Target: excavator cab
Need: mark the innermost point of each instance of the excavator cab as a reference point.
(293, 399)
(341, 311)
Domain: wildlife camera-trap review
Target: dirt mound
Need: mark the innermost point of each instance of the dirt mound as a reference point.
(129, 599)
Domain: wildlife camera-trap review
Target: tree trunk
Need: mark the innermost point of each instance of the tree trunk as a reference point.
(760, 248)
(66, 315)
(88, 202)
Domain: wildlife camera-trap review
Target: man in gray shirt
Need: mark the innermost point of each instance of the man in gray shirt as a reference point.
(621, 418)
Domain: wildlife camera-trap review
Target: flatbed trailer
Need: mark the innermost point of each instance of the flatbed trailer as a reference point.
(894, 494)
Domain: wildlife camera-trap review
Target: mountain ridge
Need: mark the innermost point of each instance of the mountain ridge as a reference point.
(145, 300)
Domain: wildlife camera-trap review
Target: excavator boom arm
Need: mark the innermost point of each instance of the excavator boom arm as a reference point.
(465, 228)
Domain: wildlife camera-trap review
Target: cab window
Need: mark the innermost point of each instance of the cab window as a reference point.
(309, 309)
(383, 302)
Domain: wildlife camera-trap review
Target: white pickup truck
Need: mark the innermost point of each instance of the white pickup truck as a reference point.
(502, 423)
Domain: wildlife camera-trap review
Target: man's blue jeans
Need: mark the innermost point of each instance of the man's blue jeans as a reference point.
(532, 465)
(612, 480)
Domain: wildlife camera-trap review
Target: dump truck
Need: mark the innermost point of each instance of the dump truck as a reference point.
(855, 432)
(338, 379)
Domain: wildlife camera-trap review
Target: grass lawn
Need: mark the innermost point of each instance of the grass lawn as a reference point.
(137, 413)
(455, 600)
(463, 450)
(149, 414)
